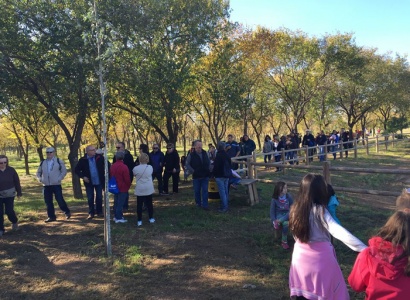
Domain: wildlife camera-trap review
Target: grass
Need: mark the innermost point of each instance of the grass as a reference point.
(264, 263)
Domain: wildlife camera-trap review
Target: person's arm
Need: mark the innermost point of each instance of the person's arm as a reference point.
(17, 185)
(188, 164)
(359, 277)
(342, 234)
(63, 172)
(272, 210)
(78, 169)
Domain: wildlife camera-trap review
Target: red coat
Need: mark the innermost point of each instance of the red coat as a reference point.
(375, 272)
(122, 175)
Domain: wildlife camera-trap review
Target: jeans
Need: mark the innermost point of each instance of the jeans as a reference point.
(267, 158)
(223, 187)
(48, 192)
(234, 180)
(175, 180)
(119, 200)
(158, 176)
(201, 188)
(289, 156)
(322, 156)
(147, 200)
(8, 209)
(89, 189)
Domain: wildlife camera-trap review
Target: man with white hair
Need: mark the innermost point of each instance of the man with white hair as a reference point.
(50, 173)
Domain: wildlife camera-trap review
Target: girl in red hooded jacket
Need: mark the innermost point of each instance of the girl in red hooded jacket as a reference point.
(382, 270)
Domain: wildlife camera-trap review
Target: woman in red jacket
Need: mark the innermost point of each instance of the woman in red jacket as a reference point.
(383, 269)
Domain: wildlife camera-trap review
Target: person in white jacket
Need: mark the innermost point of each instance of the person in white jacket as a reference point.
(144, 188)
(50, 173)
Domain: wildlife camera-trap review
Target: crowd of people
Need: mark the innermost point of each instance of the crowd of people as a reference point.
(320, 144)
(382, 269)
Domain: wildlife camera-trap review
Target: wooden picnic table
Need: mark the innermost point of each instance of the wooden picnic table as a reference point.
(252, 191)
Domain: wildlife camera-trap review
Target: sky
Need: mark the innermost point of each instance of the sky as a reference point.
(384, 25)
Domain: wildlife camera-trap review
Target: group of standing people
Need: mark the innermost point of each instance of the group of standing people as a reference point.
(333, 142)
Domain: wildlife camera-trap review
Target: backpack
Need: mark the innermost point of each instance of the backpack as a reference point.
(59, 165)
(112, 186)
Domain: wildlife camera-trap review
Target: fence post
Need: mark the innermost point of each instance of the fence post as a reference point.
(341, 146)
(355, 148)
(283, 160)
(392, 141)
(326, 172)
(377, 143)
(249, 167)
(367, 145)
(326, 151)
(255, 171)
(307, 155)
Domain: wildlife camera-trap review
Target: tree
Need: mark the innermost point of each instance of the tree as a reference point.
(219, 82)
(43, 52)
(157, 53)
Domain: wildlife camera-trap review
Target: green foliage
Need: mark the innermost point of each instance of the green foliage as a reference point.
(397, 124)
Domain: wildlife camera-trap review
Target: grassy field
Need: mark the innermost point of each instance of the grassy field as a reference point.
(188, 253)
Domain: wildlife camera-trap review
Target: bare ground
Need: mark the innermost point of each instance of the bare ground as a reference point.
(66, 259)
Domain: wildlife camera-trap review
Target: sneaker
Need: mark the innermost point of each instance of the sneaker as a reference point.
(90, 216)
(14, 226)
(285, 245)
(120, 221)
(152, 220)
(48, 220)
(139, 223)
(68, 216)
(164, 194)
(276, 225)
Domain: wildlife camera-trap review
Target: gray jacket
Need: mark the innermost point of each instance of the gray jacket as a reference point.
(56, 174)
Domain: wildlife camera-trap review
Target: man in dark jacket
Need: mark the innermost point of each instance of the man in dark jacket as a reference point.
(322, 141)
(157, 159)
(172, 169)
(129, 162)
(90, 168)
(248, 145)
(198, 164)
(309, 140)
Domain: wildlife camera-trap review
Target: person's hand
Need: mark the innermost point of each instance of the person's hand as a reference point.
(174, 170)
(86, 179)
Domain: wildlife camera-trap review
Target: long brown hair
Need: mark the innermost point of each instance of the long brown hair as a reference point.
(312, 190)
(397, 231)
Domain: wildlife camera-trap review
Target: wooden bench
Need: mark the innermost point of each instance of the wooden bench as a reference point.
(252, 191)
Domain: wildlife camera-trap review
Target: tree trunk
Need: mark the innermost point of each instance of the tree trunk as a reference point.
(40, 153)
(78, 192)
(26, 163)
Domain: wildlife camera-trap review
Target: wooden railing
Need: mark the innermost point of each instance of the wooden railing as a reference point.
(326, 168)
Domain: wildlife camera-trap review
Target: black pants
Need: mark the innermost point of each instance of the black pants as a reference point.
(158, 176)
(8, 204)
(175, 180)
(147, 200)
